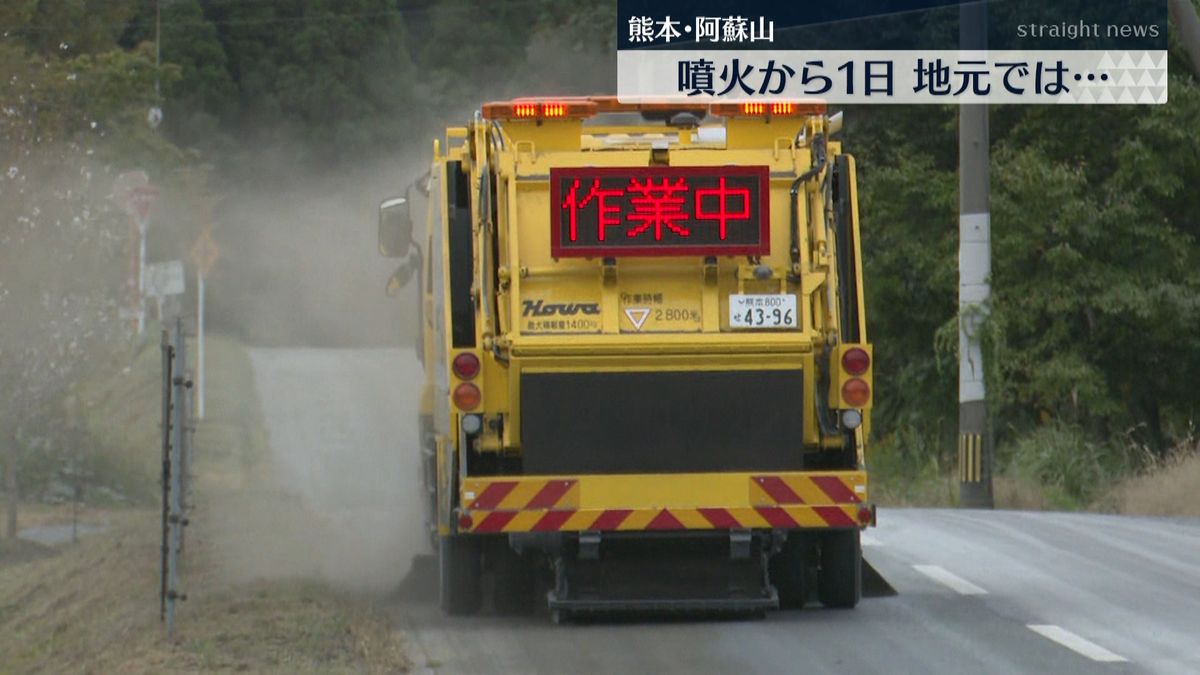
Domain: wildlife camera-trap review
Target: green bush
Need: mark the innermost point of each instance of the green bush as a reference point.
(1061, 457)
(907, 468)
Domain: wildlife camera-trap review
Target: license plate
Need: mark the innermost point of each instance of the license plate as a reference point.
(762, 311)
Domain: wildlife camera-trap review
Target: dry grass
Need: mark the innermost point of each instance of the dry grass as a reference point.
(92, 607)
(1022, 494)
(1172, 489)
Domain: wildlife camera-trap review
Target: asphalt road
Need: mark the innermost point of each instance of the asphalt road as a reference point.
(990, 592)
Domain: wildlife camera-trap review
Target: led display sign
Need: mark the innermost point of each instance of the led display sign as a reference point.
(659, 210)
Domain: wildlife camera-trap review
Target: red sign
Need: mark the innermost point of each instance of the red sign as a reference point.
(659, 210)
(139, 200)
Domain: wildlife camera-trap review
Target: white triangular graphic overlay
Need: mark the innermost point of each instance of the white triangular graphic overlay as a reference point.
(637, 316)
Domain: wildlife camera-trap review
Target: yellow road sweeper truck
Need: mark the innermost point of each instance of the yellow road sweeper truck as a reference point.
(647, 376)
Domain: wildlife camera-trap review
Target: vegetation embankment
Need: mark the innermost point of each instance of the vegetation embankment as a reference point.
(1055, 467)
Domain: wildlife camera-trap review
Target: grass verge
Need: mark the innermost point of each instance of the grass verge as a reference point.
(92, 607)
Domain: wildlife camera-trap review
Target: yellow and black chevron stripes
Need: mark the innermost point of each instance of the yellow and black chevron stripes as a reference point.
(623, 520)
(970, 458)
(518, 495)
(788, 500)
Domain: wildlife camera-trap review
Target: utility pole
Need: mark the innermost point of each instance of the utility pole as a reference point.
(157, 49)
(1187, 27)
(974, 268)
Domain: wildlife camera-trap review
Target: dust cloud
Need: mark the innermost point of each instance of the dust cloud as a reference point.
(338, 498)
(299, 263)
(337, 381)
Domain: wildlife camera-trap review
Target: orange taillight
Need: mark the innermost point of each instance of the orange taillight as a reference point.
(856, 392)
(467, 396)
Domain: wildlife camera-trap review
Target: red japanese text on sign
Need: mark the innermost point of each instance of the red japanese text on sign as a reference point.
(659, 211)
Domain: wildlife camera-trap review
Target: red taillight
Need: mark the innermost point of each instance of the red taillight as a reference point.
(525, 110)
(554, 110)
(464, 521)
(865, 515)
(856, 361)
(856, 392)
(467, 396)
(465, 365)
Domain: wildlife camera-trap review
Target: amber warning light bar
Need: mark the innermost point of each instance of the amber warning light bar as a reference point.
(589, 106)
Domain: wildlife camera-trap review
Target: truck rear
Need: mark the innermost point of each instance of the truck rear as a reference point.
(647, 376)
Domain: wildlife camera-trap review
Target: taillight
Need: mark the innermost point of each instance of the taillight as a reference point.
(856, 392)
(465, 365)
(467, 396)
(865, 515)
(856, 361)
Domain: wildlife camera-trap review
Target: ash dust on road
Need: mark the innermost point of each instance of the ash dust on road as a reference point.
(338, 499)
(334, 495)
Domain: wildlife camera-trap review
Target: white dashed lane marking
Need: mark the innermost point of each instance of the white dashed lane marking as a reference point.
(950, 580)
(1075, 643)
(868, 540)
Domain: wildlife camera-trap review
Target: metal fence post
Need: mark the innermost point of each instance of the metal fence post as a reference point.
(185, 454)
(177, 520)
(167, 362)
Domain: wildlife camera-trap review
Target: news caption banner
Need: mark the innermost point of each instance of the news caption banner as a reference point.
(905, 52)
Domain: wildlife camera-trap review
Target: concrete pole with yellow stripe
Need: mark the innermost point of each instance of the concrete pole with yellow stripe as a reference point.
(974, 269)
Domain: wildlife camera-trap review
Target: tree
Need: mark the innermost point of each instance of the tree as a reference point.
(61, 237)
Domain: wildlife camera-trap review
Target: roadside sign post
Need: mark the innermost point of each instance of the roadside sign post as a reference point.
(139, 201)
(204, 254)
(164, 278)
(136, 195)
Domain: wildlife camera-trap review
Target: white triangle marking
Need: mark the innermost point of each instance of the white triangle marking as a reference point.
(637, 316)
